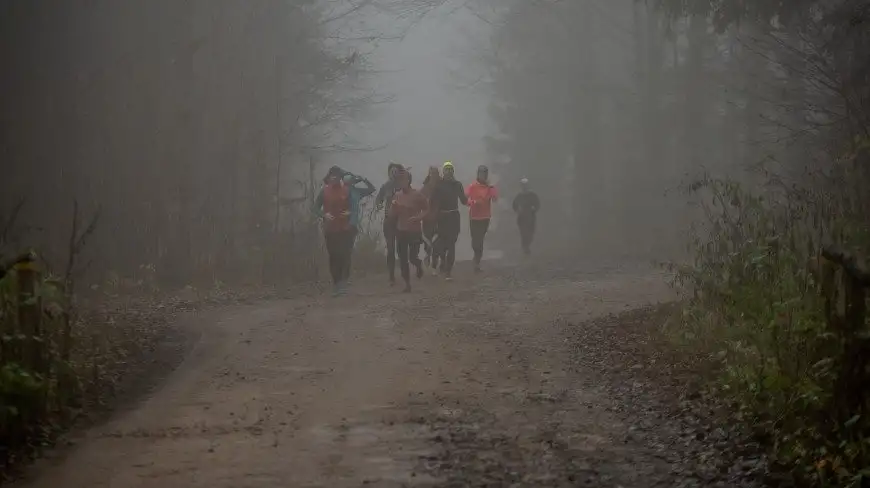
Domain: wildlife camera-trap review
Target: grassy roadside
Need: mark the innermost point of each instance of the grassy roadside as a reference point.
(770, 301)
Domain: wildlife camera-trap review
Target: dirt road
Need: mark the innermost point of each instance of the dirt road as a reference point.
(462, 384)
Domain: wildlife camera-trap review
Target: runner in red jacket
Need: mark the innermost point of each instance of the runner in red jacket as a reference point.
(408, 208)
(333, 204)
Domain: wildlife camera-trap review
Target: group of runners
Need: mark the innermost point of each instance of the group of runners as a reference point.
(427, 217)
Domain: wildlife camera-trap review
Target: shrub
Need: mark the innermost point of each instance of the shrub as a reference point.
(30, 356)
(763, 303)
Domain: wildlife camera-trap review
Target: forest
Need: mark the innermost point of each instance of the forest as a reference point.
(163, 144)
(746, 126)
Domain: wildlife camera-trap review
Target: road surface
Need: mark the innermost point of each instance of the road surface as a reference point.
(378, 389)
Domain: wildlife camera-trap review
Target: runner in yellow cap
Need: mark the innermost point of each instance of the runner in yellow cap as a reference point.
(446, 197)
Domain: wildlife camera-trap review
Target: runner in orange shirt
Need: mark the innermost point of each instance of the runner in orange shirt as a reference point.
(480, 197)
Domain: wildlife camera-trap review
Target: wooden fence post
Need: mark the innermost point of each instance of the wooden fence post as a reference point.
(30, 314)
(853, 380)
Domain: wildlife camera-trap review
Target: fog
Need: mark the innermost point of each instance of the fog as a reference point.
(429, 120)
(194, 135)
(179, 244)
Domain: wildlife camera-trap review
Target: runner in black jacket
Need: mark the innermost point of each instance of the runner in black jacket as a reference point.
(526, 205)
(384, 200)
(446, 196)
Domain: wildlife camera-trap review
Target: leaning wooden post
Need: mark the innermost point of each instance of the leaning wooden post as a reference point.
(30, 313)
(852, 381)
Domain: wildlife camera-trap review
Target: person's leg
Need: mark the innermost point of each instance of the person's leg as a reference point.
(432, 252)
(452, 227)
(402, 242)
(479, 228)
(428, 234)
(333, 249)
(523, 225)
(522, 232)
(476, 241)
(350, 241)
(532, 223)
(437, 246)
(390, 238)
(414, 241)
(485, 228)
(441, 238)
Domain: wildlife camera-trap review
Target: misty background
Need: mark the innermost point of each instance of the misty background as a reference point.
(196, 133)
(170, 148)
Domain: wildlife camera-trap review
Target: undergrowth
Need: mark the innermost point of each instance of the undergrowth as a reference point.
(756, 295)
(35, 384)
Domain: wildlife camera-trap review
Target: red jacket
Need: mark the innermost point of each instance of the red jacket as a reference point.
(336, 201)
(409, 207)
(480, 198)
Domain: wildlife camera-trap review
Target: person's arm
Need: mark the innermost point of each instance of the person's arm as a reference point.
(493, 193)
(422, 205)
(469, 200)
(394, 205)
(516, 202)
(536, 202)
(463, 197)
(368, 190)
(379, 200)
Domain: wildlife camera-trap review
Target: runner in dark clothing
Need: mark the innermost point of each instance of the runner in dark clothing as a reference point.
(526, 205)
(446, 197)
(430, 221)
(356, 195)
(384, 200)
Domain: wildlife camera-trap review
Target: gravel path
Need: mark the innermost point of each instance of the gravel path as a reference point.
(478, 382)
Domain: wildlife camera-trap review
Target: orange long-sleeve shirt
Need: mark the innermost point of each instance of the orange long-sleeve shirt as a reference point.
(480, 198)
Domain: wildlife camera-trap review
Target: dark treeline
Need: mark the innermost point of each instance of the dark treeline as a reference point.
(147, 146)
(615, 105)
(181, 125)
(759, 112)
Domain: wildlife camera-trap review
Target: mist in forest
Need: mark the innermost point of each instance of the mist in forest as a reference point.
(193, 135)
